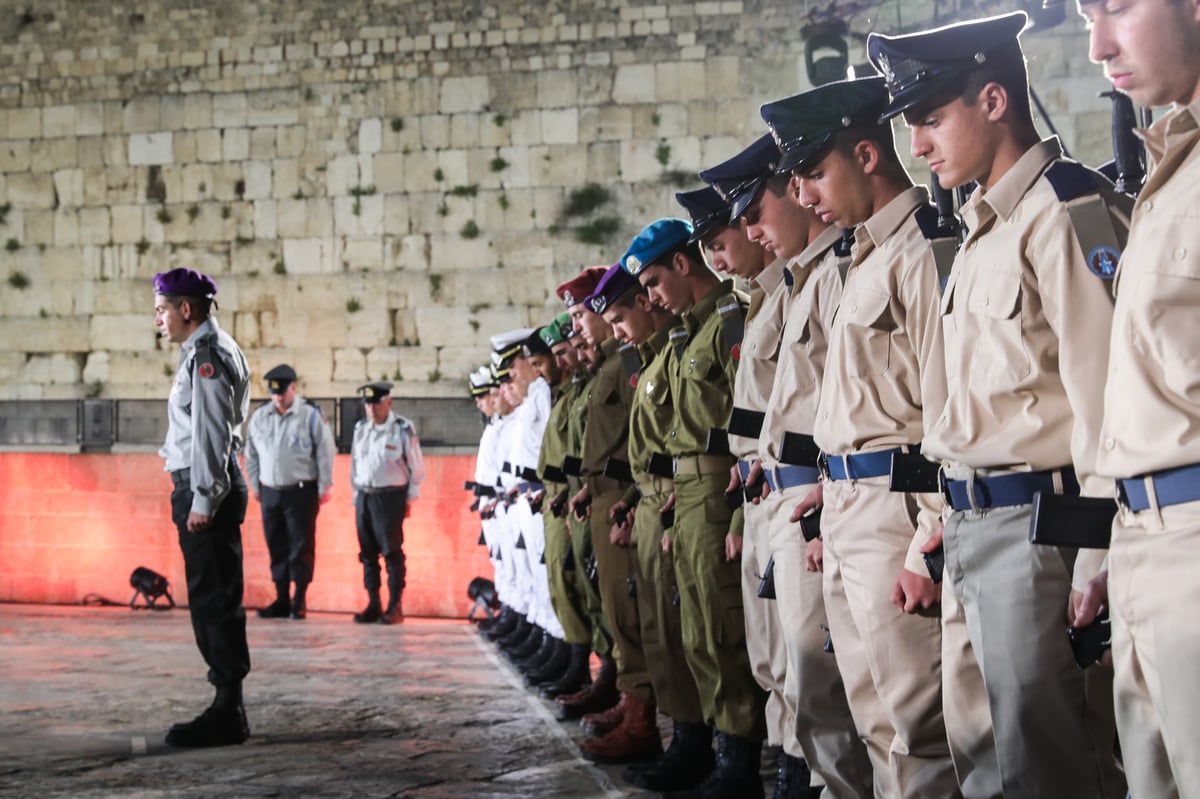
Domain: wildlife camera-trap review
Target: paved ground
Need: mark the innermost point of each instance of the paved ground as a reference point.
(423, 709)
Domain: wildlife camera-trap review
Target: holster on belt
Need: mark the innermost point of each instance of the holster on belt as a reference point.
(553, 474)
(810, 525)
(746, 423)
(766, 586)
(661, 465)
(572, 466)
(617, 469)
(798, 449)
(1068, 521)
(717, 443)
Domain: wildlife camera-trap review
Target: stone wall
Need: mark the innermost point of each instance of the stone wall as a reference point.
(378, 186)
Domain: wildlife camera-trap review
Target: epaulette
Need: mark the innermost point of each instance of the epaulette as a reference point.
(732, 311)
(942, 240)
(207, 361)
(843, 248)
(789, 279)
(631, 360)
(1080, 190)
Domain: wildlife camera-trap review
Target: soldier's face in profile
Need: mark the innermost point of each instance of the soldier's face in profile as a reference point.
(1150, 49)
(169, 320)
(730, 250)
(836, 188)
(564, 356)
(591, 326)
(667, 287)
(776, 223)
(630, 324)
(545, 367)
(522, 372)
(955, 139)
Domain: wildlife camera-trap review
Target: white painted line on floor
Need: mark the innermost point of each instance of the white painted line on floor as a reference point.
(606, 785)
(138, 744)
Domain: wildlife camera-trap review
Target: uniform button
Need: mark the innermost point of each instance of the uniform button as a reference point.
(825, 414)
(672, 434)
(1109, 443)
(1181, 253)
(987, 301)
(1148, 205)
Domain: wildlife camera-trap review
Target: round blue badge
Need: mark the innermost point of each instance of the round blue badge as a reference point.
(1103, 261)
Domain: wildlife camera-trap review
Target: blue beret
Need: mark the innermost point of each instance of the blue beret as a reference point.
(616, 282)
(739, 179)
(656, 240)
(706, 208)
(921, 66)
(184, 283)
(804, 124)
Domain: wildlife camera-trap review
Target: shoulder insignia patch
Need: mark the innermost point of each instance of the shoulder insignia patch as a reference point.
(206, 370)
(1102, 260)
(633, 380)
(736, 352)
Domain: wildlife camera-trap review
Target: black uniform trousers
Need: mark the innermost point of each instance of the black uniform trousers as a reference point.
(213, 563)
(380, 520)
(290, 526)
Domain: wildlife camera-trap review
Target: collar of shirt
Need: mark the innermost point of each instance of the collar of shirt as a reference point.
(887, 220)
(657, 341)
(293, 408)
(1180, 120)
(770, 277)
(391, 417)
(206, 328)
(692, 319)
(811, 255)
(1003, 197)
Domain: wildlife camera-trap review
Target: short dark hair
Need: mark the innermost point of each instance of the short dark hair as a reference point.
(691, 251)
(880, 134)
(1008, 69)
(778, 184)
(627, 296)
(201, 306)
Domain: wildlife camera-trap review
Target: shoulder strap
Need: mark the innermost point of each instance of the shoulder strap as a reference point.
(1079, 188)
(943, 241)
(733, 322)
(631, 359)
(842, 248)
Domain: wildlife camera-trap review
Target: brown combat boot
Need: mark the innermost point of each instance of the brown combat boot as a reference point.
(600, 695)
(635, 739)
(598, 724)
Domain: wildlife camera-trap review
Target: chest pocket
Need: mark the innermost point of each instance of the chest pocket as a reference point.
(993, 336)
(868, 333)
(762, 342)
(699, 367)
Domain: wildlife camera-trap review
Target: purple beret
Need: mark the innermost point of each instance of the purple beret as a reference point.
(616, 281)
(184, 283)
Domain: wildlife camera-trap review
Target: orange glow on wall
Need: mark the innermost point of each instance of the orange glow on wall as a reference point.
(74, 525)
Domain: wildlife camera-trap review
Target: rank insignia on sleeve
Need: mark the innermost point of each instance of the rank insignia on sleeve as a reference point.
(206, 370)
(1103, 261)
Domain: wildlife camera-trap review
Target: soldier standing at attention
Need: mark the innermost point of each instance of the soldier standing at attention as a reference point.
(883, 368)
(386, 470)
(1026, 319)
(289, 468)
(707, 538)
(1149, 438)
(210, 399)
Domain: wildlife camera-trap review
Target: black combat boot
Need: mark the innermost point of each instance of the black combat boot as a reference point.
(509, 619)
(373, 612)
(577, 676)
(527, 647)
(736, 775)
(223, 723)
(281, 607)
(599, 696)
(685, 764)
(299, 603)
(395, 581)
(533, 662)
(554, 666)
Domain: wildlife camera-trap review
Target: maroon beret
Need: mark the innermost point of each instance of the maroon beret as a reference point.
(577, 289)
(184, 283)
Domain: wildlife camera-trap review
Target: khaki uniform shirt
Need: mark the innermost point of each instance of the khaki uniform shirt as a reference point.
(606, 432)
(885, 366)
(650, 412)
(701, 371)
(1025, 324)
(554, 442)
(295, 446)
(387, 454)
(804, 341)
(1151, 411)
(769, 295)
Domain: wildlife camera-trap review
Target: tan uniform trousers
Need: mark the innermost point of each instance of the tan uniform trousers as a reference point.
(824, 726)
(567, 593)
(714, 629)
(1013, 597)
(890, 660)
(662, 638)
(1152, 582)
(616, 567)
(581, 544)
(764, 637)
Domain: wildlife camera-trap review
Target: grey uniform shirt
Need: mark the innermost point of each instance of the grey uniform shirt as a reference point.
(386, 455)
(283, 449)
(210, 399)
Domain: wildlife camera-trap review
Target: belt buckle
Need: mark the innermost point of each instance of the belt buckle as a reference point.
(1122, 497)
(675, 465)
(823, 465)
(944, 487)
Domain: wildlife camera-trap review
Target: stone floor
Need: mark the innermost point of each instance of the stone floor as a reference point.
(424, 709)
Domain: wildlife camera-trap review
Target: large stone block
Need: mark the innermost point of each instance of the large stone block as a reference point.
(23, 123)
(349, 364)
(120, 332)
(636, 83)
(47, 155)
(151, 148)
(560, 126)
(140, 115)
(14, 155)
(95, 226)
(68, 186)
(464, 94)
(362, 254)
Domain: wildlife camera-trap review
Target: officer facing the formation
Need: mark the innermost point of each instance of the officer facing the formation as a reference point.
(289, 468)
(209, 401)
(1026, 320)
(386, 470)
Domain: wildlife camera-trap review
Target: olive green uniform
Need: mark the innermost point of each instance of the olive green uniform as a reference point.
(567, 593)
(702, 362)
(605, 436)
(650, 418)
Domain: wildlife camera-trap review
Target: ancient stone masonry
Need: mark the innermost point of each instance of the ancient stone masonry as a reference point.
(376, 185)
